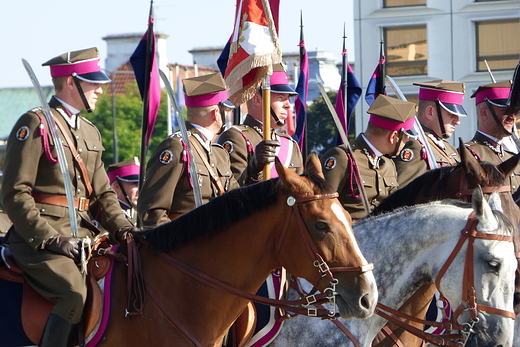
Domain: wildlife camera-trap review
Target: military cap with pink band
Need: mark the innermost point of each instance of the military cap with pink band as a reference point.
(127, 171)
(450, 94)
(206, 90)
(85, 64)
(495, 93)
(391, 113)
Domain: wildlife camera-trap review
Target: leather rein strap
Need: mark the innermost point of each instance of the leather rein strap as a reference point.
(468, 293)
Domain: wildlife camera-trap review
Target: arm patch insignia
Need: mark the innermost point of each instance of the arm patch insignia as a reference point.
(406, 154)
(166, 157)
(330, 163)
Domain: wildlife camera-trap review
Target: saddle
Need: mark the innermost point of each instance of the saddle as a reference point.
(36, 309)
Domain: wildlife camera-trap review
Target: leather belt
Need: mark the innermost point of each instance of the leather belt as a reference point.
(82, 204)
(173, 216)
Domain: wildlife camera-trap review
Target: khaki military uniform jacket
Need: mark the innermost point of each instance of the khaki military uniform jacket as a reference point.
(486, 149)
(239, 138)
(28, 171)
(167, 191)
(378, 174)
(410, 163)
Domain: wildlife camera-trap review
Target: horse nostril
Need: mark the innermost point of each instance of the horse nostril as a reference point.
(365, 302)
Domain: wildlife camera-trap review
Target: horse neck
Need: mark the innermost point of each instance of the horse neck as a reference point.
(241, 255)
(411, 250)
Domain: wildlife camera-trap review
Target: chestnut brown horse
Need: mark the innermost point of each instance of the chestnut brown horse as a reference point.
(238, 239)
(454, 182)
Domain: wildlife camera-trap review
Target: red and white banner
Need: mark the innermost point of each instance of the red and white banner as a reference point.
(253, 51)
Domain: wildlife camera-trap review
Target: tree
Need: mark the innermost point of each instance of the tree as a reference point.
(321, 129)
(129, 109)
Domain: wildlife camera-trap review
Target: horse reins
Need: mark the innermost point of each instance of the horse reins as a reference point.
(296, 306)
(469, 233)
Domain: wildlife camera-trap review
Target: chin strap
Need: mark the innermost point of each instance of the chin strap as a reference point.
(495, 117)
(123, 190)
(439, 117)
(80, 91)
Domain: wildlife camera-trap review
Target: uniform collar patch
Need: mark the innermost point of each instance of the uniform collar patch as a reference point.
(23, 133)
(166, 157)
(330, 163)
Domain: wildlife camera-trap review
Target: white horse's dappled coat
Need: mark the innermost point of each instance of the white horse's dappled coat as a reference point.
(408, 248)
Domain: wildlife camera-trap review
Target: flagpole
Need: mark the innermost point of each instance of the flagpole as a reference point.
(304, 130)
(144, 127)
(382, 67)
(266, 114)
(345, 81)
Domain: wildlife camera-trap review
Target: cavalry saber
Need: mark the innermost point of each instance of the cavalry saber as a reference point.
(55, 135)
(184, 133)
(344, 137)
(416, 124)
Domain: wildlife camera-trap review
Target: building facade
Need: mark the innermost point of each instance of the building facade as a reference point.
(437, 39)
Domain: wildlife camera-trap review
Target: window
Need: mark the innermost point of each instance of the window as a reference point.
(401, 3)
(497, 45)
(406, 51)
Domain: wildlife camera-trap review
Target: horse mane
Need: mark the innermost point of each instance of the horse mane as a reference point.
(420, 188)
(220, 213)
(213, 216)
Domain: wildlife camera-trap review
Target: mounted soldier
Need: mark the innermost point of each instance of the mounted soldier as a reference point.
(492, 141)
(439, 110)
(34, 193)
(247, 149)
(168, 189)
(385, 135)
(124, 179)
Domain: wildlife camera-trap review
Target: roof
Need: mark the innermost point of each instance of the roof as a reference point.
(16, 101)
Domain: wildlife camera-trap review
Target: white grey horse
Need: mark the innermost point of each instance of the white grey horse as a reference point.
(408, 248)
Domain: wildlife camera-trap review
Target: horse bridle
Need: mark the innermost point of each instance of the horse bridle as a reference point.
(302, 305)
(464, 193)
(468, 302)
(323, 268)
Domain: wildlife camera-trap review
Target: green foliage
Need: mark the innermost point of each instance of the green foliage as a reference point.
(321, 129)
(129, 110)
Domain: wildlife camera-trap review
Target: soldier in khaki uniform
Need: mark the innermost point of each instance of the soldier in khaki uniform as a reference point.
(493, 141)
(385, 135)
(168, 189)
(439, 109)
(34, 197)
(245, 143)
(124, 179)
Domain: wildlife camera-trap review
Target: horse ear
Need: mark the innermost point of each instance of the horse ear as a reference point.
(289, 178)
(471, 166)
(509, 165)
(483, 212)
(313, 165)
(494, 202)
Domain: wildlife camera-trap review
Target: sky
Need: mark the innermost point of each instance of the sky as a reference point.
(39, 30)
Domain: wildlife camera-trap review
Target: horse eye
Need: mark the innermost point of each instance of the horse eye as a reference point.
(322, 226)
(494, 265)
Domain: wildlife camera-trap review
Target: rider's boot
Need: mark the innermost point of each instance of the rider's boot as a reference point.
(58, 333)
